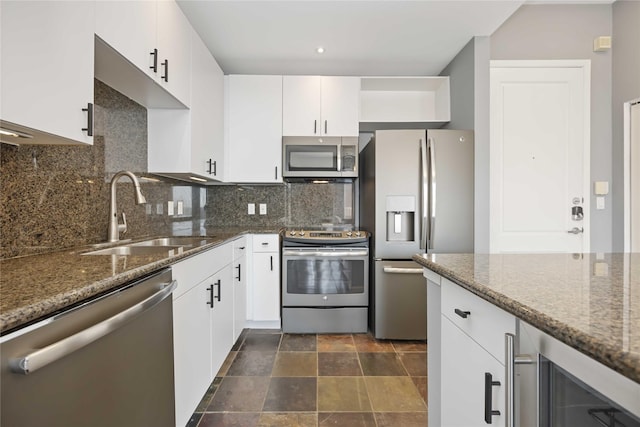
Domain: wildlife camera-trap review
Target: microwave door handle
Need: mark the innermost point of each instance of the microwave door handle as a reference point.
(339, 153)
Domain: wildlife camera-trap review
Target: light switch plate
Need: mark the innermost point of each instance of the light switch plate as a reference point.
(263, 208)
(170, 208)
(180, 207)
(599, 203)
(251, 208)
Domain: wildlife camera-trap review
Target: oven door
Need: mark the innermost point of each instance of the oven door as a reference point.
(322, 276)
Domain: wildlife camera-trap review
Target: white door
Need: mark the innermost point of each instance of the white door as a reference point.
(632, 177)
(539, 167)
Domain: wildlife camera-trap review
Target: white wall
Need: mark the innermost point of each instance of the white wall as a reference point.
(626, 86)
(567, 32)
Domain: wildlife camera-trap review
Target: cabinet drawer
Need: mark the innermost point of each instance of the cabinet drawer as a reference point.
(239, 248)
(266, 242)
(485, 323)
(195, 269)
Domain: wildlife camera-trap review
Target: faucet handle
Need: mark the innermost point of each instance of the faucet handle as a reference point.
(122, 228)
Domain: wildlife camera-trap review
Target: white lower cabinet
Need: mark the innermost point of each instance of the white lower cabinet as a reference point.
(265, 283)
(240, 271)
(202, 324)
(472, 357)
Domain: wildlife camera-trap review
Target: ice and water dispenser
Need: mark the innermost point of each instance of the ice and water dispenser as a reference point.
(401, 211)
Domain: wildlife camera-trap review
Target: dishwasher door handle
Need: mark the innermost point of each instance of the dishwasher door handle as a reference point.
(49, 354)
(402, 270)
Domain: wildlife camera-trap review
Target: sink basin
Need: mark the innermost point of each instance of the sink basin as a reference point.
(136, 250)
(174, 241)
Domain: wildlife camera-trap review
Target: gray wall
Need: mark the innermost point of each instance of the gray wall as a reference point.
(469, 78)
(626, 87)
(567, 32)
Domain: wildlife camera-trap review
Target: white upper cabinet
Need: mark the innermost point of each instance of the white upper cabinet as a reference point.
(46, 71)
(188, 144)
(320, 106)
(254, 129)
(155, 37)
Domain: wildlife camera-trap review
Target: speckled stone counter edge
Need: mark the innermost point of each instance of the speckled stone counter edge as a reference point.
(621, 362)
(13, 319)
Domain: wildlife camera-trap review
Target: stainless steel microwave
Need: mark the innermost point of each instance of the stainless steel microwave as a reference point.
(319, 157)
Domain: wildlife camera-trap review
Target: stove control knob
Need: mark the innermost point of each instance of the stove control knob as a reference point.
(293, 233)
(302, 233)
(357, 234)
(349, 233)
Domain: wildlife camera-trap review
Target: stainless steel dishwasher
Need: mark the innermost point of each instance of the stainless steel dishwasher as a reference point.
(108, 362)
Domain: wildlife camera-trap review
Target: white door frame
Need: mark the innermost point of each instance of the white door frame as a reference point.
(585, 65)
(627, 172)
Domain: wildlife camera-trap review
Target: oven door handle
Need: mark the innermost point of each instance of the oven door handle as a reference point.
(403, 270)
(325, 254)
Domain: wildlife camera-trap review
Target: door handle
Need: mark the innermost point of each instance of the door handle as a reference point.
(402, 270)
(488, 397)
(576, 230)
(219, 285)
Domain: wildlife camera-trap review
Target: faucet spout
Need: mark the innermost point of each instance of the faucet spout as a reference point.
(114, 227)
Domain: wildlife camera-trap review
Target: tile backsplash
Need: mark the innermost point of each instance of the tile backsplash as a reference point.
(55, 197)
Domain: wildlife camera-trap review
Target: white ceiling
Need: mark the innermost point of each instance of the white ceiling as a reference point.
(390, 37)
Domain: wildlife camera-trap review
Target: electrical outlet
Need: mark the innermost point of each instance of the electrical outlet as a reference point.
(251, 208)
(159, 209)
(180, 207)
(263, 208)
(170, 208)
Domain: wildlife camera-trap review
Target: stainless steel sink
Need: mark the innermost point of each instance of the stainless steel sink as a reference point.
(174, 241)
(136, 250)
(169, 245)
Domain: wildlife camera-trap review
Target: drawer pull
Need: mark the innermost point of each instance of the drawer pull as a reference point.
(488, 397)
(463, 314)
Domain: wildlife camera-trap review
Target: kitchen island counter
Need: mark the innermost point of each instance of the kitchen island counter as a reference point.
(590, 302)
(36, 286)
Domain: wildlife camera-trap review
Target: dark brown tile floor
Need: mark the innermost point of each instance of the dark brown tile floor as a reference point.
(350, 380)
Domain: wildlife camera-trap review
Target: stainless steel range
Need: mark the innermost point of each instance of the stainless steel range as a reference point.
(325, 281)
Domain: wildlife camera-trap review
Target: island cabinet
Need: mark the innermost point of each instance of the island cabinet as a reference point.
(320, 106)
(253, 129)
(154, 36)
(473, 343)
(46, 73)
(202, 324)
(265, 283)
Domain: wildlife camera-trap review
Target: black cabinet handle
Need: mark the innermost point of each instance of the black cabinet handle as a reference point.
(219, 291)
(165, 64)
(89, 110)
(154, 67)
(315, 126)
(271, 258)
(488, 397)
(212, 167)
(239, 272)
(463, 314)
(276, 175)
(325, 126)
(210, 290)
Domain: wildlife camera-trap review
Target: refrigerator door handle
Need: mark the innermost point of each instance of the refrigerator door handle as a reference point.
(423, 190)
(431, 150)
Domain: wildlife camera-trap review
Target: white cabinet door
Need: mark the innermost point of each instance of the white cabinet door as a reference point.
(192, 348)
(129, 27)
(266, 286)
(464, 368)
(340, 105)
(239, 295)
(320, 106)
(254, 129)
(47, 66)
(301, 105)
(174, 50)
(221, 317)
(207, 112)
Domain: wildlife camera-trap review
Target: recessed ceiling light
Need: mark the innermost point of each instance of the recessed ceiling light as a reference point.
(320, 49)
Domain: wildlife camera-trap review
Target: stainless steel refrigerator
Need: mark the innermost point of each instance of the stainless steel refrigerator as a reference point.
(416, 196)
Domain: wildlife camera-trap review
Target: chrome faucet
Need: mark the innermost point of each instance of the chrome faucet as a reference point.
(114, 227)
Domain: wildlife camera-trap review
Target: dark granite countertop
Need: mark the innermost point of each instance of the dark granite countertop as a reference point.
(33, 287)
(590, 302)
